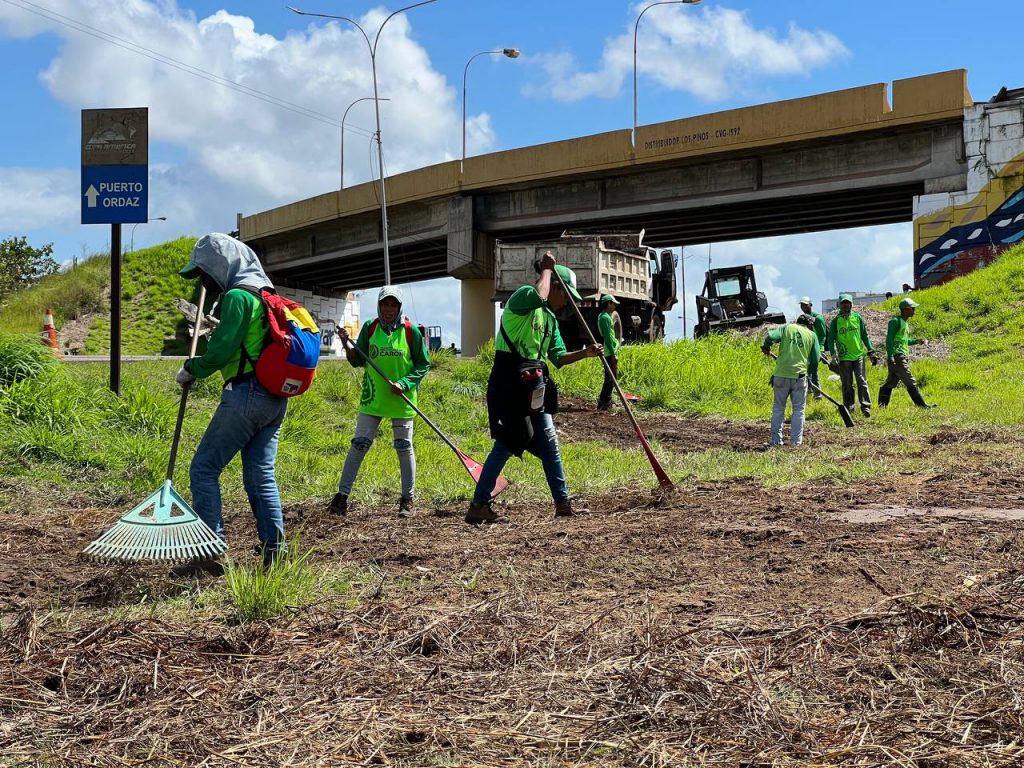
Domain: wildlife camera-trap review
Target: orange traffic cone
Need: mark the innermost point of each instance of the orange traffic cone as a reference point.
(49, 335)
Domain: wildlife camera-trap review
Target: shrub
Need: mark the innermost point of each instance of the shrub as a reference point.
(23, 357)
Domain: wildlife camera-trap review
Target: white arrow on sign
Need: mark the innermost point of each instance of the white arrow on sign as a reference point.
(92, 194)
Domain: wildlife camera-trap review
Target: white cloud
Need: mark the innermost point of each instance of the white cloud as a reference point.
(711, 52)
(233, 152)
(35, 198)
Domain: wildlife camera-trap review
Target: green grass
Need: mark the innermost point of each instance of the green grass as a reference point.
(149, 285)
(287, 583)
(23, 357)
(62, 431)
(72, 294)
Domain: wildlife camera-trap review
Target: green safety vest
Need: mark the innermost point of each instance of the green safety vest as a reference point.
(794, 349)
(392, 355)
(849, 343)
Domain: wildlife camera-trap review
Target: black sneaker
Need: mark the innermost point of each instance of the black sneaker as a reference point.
(481, 515)
(339, 505)
(866, 412)
(405, 507)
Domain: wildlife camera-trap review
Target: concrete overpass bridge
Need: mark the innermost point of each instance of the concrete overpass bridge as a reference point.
(842, 159)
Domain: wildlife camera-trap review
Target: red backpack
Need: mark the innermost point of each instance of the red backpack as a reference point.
(287, 365)
(408, 330)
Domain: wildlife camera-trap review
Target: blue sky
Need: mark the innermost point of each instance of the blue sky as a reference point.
(215, 151)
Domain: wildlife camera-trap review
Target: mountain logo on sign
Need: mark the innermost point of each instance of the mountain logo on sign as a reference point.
(113, 136)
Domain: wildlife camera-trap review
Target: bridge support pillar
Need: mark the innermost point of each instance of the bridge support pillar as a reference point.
(477, 315)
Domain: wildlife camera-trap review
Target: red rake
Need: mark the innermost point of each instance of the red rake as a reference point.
(472, 466)
(659, 472)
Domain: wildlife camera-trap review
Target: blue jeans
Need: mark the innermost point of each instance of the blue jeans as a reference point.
(544, 446)
(248, 419)
(786, 389)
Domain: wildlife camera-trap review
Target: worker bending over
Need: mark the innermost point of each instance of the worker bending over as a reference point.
(797, 360)
(521, 397)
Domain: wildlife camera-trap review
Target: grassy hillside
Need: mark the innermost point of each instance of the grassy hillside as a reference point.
(150, 284)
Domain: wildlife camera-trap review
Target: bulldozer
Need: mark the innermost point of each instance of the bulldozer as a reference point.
(729, 300)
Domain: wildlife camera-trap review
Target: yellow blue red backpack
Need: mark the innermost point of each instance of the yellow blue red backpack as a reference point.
(287, 365)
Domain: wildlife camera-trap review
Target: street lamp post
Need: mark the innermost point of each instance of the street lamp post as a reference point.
(342, 175)
(636, 28)
(372, 47)
(512, 53)
(131, 247)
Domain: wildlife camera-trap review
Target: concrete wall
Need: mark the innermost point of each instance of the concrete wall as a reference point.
(343, 309)
(956, 232)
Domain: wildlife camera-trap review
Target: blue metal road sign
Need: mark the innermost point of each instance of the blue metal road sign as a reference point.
(115, 194)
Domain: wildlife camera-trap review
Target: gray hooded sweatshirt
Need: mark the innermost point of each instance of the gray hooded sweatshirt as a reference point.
(236, 270)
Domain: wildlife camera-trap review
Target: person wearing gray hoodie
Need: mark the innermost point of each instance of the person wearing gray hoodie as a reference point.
(248, 419)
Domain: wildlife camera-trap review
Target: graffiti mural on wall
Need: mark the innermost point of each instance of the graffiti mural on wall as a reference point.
(965, 247)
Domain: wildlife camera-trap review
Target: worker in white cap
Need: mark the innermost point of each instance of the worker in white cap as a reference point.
(820, 330)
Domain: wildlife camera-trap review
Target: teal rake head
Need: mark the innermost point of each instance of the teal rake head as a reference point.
(163, 528)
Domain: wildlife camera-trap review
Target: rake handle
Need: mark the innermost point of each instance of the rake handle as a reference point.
(185, 388)
(663, 479)
(409, 402)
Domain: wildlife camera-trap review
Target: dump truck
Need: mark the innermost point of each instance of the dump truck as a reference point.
(617, 263)
(730, 299)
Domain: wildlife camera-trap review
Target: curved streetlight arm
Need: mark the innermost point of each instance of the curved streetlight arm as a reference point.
(353, 22)
(465, 76)
(376, 109)
(636, 29)
(343, 118)
(400, 10)
(512, 53)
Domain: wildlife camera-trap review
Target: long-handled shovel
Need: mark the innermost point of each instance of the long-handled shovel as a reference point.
(844, 412)
(472, 466)
(663, 478)
(163, 527)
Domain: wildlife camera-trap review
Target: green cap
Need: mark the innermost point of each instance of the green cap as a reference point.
(569, 278)
(608, 297)
(190, 271)
(907, 303)
(845, 297)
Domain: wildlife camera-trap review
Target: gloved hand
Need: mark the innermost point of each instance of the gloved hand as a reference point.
(874, 358)
(766, 350)
(184, 378)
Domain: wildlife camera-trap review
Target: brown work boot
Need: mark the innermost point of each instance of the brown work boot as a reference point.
(481, 515)
(565, 508)
(405, 507)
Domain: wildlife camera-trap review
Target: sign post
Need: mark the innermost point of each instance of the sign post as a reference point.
(115, 191)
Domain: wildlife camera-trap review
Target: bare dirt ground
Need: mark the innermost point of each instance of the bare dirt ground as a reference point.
(725, 625)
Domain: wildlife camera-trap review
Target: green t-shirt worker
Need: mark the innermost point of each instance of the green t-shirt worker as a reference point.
(398, 349)
(607, 326)
(797, 359)
(897, 348)
(849, 343)
(528, 337)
